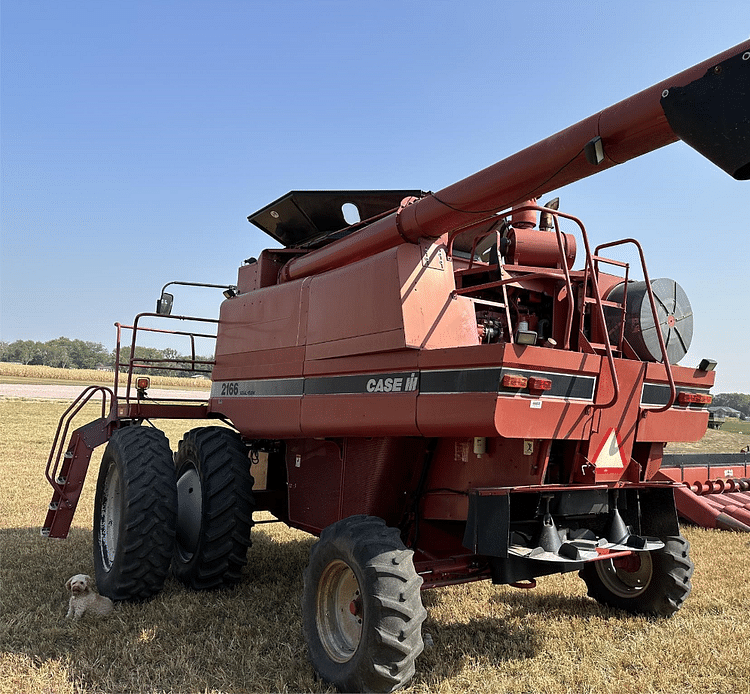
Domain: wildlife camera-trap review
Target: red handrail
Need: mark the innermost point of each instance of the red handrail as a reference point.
(63, 425)
(146, 362)
(652, 302)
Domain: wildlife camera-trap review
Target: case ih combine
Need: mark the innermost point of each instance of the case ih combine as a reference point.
(435, 391)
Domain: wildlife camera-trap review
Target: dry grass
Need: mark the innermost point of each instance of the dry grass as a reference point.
(714, 441)
(487, 638)
(34, 373)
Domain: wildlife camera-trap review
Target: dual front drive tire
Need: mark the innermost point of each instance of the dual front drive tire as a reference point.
(193, 513)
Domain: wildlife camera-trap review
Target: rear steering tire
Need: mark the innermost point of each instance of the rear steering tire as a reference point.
(362, 611)
(214, 508)
(134, 514)
(654, 583)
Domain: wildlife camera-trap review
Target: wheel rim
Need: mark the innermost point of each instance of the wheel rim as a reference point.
(339, 611)
(109, 519)
(189, 512)
(626, 579)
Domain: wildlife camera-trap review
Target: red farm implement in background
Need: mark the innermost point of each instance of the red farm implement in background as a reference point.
(438, 391)
(715, 489)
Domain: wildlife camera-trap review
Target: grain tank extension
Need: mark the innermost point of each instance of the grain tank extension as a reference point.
(459, 386)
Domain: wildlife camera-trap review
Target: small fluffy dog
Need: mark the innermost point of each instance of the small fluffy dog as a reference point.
(83, 599)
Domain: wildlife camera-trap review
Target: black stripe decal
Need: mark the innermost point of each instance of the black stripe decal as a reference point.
(267, 387)
(402, 382)
(461, 381)
(490, 381)
(450, 381)
(656, 394)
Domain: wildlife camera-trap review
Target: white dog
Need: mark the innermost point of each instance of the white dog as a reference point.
(83, 599)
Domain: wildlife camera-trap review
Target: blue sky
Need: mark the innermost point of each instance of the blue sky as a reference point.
(137, 137)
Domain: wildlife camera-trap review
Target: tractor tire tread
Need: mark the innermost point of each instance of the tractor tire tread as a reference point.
(385, 661)
(148, 528)
(668, 589)
(228, 502)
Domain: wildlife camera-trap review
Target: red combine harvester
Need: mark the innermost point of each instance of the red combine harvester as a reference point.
(434, 390)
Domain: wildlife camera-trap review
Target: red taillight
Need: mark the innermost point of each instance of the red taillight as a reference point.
(540, 384)
(511, 381)
(694, 399)
(142, 383)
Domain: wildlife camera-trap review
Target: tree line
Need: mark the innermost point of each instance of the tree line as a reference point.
(77, 354)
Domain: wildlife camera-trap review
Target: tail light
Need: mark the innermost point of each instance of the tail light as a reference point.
(540, 384)
(511, 381)
(694, 399)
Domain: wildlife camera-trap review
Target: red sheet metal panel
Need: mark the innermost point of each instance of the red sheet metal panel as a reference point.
(676, 424)
(725, 472)
(690, 475)
(390, 414)
(262, 333)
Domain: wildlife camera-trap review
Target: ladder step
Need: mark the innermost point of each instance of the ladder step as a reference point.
(609, 261)
(601, 347)
(69, 478)
(485, 302)
(592, 300)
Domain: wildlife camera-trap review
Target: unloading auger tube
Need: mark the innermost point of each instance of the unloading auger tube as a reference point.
(705, 106)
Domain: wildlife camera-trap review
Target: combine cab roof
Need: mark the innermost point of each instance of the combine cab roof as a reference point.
(316, 217)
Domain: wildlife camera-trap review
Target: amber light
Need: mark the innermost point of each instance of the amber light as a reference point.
(536, 383)
(694, 399)
(511, 381)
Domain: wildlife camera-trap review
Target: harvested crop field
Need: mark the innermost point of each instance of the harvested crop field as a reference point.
(48, 375)
(486, 638)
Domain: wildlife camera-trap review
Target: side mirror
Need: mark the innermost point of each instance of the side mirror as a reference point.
(164, 304)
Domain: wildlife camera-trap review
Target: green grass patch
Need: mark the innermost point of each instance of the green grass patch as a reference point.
(735, 426)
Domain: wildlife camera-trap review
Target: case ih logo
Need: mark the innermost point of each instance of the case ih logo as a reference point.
(393, 384)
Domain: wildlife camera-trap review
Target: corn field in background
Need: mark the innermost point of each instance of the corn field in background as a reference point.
(35, 372)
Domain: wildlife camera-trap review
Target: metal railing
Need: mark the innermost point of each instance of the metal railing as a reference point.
(591, 274)
(561, 273)
(55, 459)
(654, 312)
(188, 364)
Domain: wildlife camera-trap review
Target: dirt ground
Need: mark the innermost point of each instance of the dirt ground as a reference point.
(70, 392)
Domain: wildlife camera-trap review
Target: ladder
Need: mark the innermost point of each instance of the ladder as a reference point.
(66, 471)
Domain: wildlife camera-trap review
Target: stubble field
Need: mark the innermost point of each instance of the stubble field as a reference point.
(486, 638)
